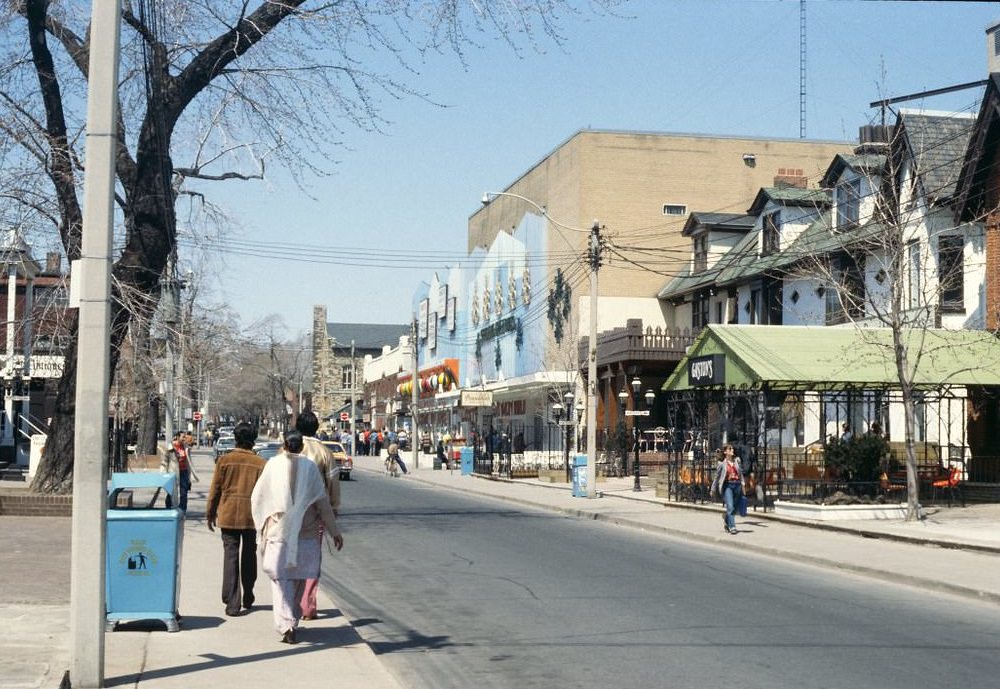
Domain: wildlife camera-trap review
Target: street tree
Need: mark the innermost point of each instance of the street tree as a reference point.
(889, 258)
(209, 92)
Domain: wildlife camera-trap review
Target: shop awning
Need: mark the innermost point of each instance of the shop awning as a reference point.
(833, 358)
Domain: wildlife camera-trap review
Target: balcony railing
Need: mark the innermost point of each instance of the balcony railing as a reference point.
(635, 343)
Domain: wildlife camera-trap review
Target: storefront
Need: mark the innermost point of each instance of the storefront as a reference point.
(792, 400)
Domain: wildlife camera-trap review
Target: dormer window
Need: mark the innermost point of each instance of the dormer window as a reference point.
(700, 253)
(848, 204)
(771, 235)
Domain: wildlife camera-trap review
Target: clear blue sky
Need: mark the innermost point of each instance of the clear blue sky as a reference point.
(699, 66)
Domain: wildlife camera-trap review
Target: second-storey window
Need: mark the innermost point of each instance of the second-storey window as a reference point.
(346, 376)
(849, 204)
(771, 239)
(700, 253)
(951, 272)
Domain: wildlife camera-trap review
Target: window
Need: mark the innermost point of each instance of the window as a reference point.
(846, 300)
(848, 204)
(675, 209)
(718, 311)
(754, 306)
(700, 253)
(771, 238)
(914, 281)
(699, 311)
(951, 270)
(346, 376)
(773, 297)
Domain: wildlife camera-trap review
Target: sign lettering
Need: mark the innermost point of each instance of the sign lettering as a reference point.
(707, 370)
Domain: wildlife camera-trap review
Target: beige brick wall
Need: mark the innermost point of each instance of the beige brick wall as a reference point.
(623, 179)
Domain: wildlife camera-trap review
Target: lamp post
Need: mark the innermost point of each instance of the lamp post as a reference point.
(557, 412)
(569, 429)
(650, 397)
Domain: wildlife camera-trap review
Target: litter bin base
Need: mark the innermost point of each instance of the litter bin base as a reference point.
(169, 619)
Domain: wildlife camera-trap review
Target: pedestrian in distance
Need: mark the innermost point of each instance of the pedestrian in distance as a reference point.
(307, 424)
(178, 457)
(394, 460)
(236, 474)
(728, 485)
(292, 513)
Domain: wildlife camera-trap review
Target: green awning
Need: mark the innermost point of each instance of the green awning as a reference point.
(832, 358)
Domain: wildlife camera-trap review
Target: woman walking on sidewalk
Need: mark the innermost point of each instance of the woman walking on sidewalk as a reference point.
(728, 484)
(292, 512)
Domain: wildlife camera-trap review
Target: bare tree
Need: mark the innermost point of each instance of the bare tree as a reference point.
(888, 256)
(209, 92)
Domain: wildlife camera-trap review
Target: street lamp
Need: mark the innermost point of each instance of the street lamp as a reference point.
(569, 429)
(557, 412)
(650, 397)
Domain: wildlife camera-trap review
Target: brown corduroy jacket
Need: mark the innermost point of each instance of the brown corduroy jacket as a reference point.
(229, 497)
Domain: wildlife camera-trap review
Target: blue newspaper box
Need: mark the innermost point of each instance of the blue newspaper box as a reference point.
(144, 539)
(467, 458)
(580, 476)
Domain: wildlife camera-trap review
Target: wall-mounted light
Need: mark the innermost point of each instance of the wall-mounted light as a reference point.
(750, 160)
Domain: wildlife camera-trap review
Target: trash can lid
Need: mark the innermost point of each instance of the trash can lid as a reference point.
(142, 479)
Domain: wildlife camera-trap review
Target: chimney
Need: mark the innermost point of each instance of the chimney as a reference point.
(992, 268)
(53, 263)
(791, 177)
(993, 48)
(873, 138)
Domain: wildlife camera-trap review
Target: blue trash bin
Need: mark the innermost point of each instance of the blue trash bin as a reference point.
(144, 539)
(580, 476)
(467, 460)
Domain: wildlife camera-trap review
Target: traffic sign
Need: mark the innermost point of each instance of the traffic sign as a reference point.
(344, 416)
(196, 416)
(636, 412)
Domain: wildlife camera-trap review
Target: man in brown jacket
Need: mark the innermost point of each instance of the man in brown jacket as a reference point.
(229, 507)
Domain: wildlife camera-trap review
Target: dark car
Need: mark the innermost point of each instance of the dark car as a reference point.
(341, 457)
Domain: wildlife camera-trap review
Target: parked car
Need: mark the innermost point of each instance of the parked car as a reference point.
(340, 456)
(224, 445)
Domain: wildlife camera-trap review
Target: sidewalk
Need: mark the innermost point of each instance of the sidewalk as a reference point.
(210, 650)
(955, 550)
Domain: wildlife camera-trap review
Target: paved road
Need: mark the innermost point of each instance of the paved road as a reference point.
(458, 591)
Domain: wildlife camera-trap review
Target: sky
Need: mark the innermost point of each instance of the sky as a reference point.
(396, 208)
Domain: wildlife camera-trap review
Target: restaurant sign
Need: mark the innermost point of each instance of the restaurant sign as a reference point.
(707, 370)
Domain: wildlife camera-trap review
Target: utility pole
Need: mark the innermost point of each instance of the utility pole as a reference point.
(595, 264)
(93, 366)
(353, 412)
(414, 398)
(169, 297)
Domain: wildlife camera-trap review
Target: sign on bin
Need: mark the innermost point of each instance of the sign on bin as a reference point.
(580, 476)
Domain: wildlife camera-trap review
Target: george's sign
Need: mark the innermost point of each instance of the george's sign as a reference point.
(707, 370)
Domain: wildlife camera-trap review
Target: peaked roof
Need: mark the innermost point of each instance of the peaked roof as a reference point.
(937, 143)
(723, 222)
(831, 358)
(790, 196)
(868, 163)
(975, 197)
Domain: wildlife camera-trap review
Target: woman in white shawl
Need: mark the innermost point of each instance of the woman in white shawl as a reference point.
(289, 505)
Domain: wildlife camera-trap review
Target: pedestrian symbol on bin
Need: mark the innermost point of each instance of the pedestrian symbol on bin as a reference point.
(138, 559)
